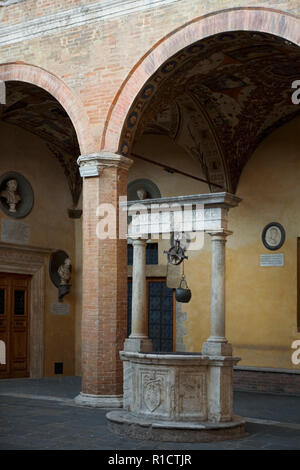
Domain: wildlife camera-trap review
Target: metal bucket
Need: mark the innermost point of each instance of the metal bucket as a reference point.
(183, 294)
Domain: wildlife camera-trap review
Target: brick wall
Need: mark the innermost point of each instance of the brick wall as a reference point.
(266, 381)
(94, 59)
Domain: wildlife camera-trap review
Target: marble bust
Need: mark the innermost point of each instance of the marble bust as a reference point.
(11, 195)
(142, 194)
(65, 272)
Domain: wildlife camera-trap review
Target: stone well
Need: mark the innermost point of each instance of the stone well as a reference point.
(177, 397)
(181, 397)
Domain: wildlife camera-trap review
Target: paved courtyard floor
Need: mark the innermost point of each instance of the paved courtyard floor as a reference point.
(40, 414)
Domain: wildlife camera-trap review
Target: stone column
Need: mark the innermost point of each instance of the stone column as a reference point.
(217, 343)
(104, 288)
(220, 367)
(138, 340)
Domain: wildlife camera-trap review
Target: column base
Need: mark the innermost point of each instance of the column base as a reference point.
(138, 345)
(212, 348)
(99, 401)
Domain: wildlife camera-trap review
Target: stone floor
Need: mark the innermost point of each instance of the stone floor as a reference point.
(40, 414)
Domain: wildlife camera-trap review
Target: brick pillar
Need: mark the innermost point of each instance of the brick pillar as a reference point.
(104, 265)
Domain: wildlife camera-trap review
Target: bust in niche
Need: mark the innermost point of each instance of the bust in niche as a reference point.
(65, 272)
(142, 194)
(11, 195)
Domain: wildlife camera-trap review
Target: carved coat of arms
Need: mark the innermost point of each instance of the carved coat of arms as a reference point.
(152, 394)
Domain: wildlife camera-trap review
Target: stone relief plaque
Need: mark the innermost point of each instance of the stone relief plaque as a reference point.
(192, 393)
(16, 195)
(152, 394)
(273, 236)
(15, 232)
(60, 309)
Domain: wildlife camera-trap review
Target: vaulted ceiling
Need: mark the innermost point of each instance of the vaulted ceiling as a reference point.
(218, 99)
(38, 112)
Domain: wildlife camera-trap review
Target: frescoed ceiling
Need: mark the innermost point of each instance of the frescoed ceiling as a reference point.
(36, 111)
(218, 99)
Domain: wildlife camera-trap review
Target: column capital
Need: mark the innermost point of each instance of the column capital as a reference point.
(92, 164)
(139, 240)
(220, 234)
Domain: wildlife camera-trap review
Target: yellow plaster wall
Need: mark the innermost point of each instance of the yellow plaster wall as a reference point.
(50, 227)
(261, 301)
(163, 150)
(78, 283)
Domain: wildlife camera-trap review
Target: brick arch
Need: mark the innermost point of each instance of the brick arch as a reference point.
(60, 91)
(275, 22)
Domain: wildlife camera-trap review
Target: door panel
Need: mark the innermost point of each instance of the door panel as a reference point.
(160, 315)
(5, 322)
(15, 324)
(160, 302)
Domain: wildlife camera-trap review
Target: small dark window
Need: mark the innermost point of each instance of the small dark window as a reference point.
(129, 255)
(2, 301)
(151, 254)
(19, 302)
(129, 305)
(58, 367)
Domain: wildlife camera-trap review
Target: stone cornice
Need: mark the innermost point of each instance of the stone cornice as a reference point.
(209, 200)
(26, 248)
(202, 213)
(5, 3)
(95, 12)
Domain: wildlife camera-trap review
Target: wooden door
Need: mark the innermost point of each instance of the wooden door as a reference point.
(14, 324)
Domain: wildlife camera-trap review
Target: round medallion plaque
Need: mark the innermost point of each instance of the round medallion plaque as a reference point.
(273, 236)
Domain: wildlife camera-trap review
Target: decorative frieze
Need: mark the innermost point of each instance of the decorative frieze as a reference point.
(73, 18)
(5, 3)
(196, 213)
